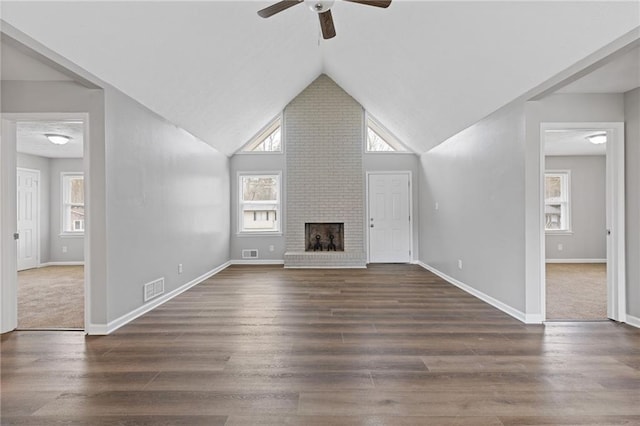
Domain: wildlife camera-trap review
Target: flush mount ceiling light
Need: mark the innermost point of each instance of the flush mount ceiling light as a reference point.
(57, 139)
(598, 138)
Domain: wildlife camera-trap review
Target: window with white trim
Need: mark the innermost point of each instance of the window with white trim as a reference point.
(259, 203)
(72, 203)
(268, 140)
(381, 140)
(557, 204)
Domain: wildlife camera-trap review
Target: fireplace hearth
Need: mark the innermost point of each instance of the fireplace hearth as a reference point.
(325, 237)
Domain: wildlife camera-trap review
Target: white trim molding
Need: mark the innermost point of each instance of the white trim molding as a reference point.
(576, 261)
(70, 263)
(520, 316)
(102, 329)
(256, 262)
(633, 321)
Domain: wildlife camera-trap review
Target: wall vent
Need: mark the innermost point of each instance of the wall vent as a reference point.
(153, 289)
(250, 254)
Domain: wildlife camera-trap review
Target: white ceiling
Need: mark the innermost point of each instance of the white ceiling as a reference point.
(572, 142)
(426, 70)
(618, 76)
(31, 138)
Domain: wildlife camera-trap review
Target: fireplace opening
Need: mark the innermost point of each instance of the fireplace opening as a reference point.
(324, 237)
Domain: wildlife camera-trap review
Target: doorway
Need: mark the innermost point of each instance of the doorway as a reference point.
(582, 182)
(389, 217)
(49, 284)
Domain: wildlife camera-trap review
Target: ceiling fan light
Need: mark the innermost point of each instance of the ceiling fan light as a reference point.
(597, 138)
(57, 139)
(319, 6)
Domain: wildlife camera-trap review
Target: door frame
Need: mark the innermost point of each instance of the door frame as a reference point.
(8, 219)
(38, 214)
(615, 214)
(367, 215)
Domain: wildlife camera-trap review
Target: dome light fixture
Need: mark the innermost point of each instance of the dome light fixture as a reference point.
(598, 138)
(57, 139)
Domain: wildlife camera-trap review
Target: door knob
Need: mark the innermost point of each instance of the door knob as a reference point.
(372, 225)
(16, 236)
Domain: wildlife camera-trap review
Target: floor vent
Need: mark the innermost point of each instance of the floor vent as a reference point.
(250, 254)
(153, 289)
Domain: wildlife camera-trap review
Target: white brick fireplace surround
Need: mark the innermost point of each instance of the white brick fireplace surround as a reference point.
(324, 133)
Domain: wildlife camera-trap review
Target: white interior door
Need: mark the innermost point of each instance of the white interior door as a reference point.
(27, 203)
(389, 218)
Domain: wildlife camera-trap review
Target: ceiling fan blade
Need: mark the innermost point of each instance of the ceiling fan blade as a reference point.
(278, 7)
(376, 3)
(326, 23)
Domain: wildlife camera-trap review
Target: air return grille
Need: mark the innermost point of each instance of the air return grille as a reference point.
(250, 254)
(153, 289)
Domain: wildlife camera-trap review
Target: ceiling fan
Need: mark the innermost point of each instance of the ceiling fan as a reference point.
(322, 8)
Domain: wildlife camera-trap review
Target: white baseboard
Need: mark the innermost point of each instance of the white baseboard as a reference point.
(101, 329)
(326, 267)
(520, 316)
(533, 319)
(576, 261)
(71, 263)
(256, 262)
(96, 329)
(634, 321)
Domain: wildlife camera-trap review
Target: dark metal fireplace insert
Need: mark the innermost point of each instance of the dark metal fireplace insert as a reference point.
(324, 236)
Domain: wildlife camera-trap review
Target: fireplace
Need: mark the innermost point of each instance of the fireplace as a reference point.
(325, 237)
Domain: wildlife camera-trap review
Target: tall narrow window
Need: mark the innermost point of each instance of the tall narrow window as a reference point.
(268, 140)
(73, 203)
(557, 205)
(259, 206)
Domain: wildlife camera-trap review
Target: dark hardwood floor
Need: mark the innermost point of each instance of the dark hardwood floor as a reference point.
(390, 345)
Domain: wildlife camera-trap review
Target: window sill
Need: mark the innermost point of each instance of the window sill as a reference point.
(71, 235)
(558, 232)
(260, 234)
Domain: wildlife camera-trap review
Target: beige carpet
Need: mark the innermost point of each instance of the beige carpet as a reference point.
(576, 291)
(51, 297)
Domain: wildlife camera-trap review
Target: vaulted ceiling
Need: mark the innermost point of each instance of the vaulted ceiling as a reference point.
(426, 70)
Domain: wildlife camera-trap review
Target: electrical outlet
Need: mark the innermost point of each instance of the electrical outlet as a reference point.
(437, 206)
(271, 248)
(560, 247)
(179, 268)
(459, 263)
(64, 249)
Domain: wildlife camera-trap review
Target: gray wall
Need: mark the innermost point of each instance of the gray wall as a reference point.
(588, 221)
(43, 165)
(168, 203)
(632, 169)
(164, 192)
(477, 179)
(73, 243)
